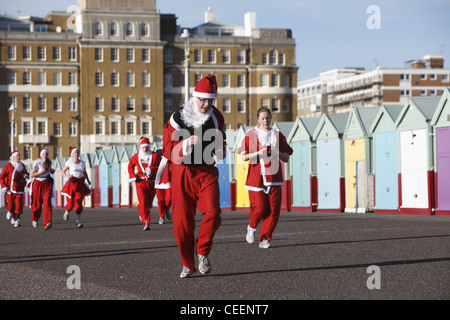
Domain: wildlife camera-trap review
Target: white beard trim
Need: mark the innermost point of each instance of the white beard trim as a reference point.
(17, 165)
(192, 117)
(266, 138)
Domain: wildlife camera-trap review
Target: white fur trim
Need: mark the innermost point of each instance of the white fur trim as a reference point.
(205, 95)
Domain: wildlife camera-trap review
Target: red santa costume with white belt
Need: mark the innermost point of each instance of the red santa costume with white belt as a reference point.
(194, 174)
(163, 186)
(41, 191)
(13, 181)
(76, 188)
(142, 170)
(264, 179)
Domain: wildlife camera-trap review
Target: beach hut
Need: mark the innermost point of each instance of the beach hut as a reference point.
(330, 162)
(114, 167)
(286, 201)
(302, 164)
(87, 158)
(239, 173)
(59, 181)
(416, 144)
(359, 184)
(385, 157)
(441, 126)
(96, 179)
(224, 166)
(127, 191)
(105, 177)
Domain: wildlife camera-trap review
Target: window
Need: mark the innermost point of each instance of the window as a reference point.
(145, 55)
(225, 80)
(130, 104)
(42, 78)
(41, 53)
(99, 79)
(98, 127)
(26, 53)
(226, 57)
(130, 128)
(115, 106)
(275, 106)
(145, 104)
(72, 104)
(129, 29)
(72, 129)
(98, 29)
(444, 78)
(226, 105)
(241, 56)
(168, 105)
(130, 79)
(182, 55)
(281, 58)
(197, 78)
(42, 104)
(285, 80)
(285, 106)
(114, 79)
(115, 128)
(146, 79)
(11, 52)
(57, 152)
(26, 103)
(168, 55)
(198, 56)
(423, 77)
(114, 54)
(241, 80)
(98, 104)
(113, 31)
(72, 53)
(56, 78)
(265, 102)
(145, 30)
(72, 78)
(433, 77)
(130, 55)
(273, 57)
(11, 77)
(264, 80)
(57, 104)
(211, 56)
(168, 80)
(145, 128)
(26, 128)
(98, 55)
(240, 105)
(27, 153)
(41, 128)
(56, 53)
(274, 80)
(264, 58)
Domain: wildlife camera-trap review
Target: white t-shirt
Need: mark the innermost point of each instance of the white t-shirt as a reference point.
(75, 170)
(38, 165)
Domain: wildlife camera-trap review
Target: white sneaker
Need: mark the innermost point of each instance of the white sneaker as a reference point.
(66, 215)
(204, 266)
(12, 220)
(78, 224)
(8, 215)
(250, 235)
(146, 226)
(161, 221)
(48, 226)
(264, 244)
(17, 223)
(186, 273)
(35, 224)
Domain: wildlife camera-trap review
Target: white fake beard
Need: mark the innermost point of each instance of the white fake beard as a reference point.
(192, 116)
(144, 155)
(17, 165)
(266, 138)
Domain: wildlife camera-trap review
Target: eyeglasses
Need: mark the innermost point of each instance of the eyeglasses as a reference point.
(202, 100)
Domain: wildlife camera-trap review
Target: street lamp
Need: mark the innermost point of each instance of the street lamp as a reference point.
(12, 109)
(185, 35)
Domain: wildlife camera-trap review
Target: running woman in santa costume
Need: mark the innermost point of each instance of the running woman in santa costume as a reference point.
(13, 180)
(76, 188)
(193, 137)
(41, 190)
(264, 147)
(142, 170)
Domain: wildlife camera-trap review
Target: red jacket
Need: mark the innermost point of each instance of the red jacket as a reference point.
(12, 179)
(138, 170)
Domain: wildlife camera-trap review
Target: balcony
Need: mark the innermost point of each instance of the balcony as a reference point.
(34, 139)
(109, 139)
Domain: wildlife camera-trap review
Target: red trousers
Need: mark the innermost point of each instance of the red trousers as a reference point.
(75, 190)
(145, 190)
(41, 195)
(14, 202)
(265, 207)
(195, 187)
(164, 201)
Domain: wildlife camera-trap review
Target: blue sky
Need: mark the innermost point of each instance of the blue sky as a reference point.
(328, 33)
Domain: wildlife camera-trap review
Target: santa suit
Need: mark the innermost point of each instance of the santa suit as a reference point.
(142, 169)
(163, 186)
(41, 191)
(194, 177)
(13, 182)
(264, 179)
(76, 188)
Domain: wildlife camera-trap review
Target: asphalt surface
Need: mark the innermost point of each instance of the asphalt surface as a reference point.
(315, 256)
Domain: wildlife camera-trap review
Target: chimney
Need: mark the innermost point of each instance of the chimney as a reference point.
(209, 15)
(249, 23)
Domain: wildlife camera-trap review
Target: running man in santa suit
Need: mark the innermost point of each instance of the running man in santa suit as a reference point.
(13, 182)
(142, 170)
(264, 147)
(193, 139)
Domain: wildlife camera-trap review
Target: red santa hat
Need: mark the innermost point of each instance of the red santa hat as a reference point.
(144, 142)
(206, 88)
(15, 152)
(73, 149)
(43, 150)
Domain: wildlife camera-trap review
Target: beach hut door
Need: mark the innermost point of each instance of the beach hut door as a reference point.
(361, 205)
